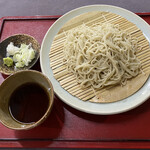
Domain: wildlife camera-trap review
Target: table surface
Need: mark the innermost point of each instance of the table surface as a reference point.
(59, 7)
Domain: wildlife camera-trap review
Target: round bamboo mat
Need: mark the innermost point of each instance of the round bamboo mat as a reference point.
(110, 93)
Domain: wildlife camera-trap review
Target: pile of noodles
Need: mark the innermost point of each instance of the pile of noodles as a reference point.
(101, 55)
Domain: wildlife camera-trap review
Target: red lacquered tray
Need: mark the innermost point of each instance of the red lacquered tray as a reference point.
(67, 127)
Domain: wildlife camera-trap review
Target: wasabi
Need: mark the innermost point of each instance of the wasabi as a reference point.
(8, 61)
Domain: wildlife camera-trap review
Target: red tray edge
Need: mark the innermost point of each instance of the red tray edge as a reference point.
(74, 144)
(57, 16)
(53, 16)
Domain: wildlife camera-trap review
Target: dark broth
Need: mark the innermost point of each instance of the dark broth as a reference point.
(28, 103)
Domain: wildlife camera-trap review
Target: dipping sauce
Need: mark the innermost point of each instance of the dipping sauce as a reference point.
(28, 103)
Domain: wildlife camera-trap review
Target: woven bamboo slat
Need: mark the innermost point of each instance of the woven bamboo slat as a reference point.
(68, 81)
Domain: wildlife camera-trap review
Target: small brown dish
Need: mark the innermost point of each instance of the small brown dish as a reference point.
(28, 110)
(17, 40)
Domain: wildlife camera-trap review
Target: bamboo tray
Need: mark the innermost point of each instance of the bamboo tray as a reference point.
(68, 81)
(67, 127)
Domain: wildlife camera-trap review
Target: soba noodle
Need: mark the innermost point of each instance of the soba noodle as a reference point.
(101, 55)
